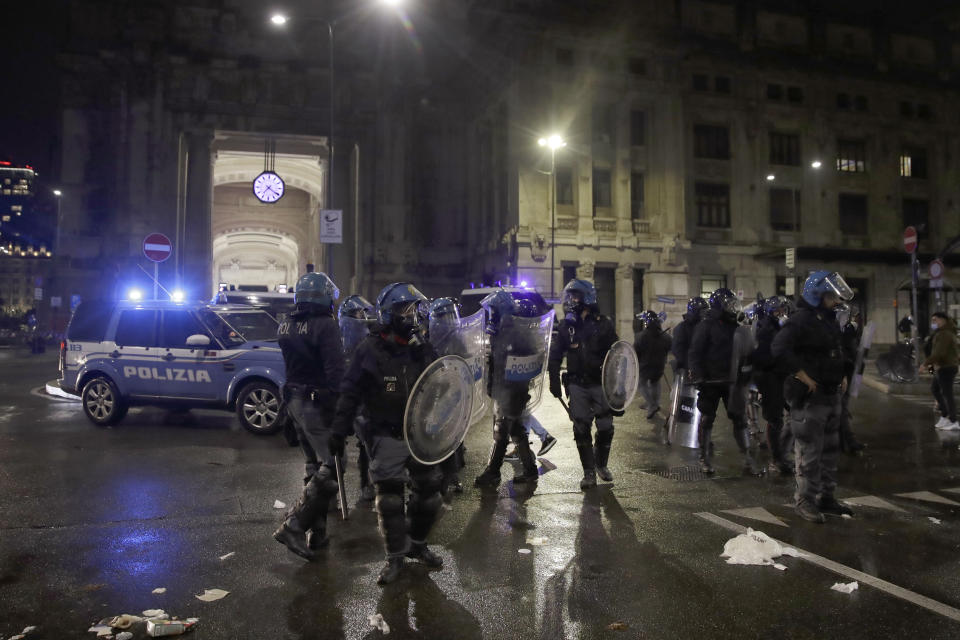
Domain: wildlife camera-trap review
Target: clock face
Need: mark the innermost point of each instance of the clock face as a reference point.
(268, 187)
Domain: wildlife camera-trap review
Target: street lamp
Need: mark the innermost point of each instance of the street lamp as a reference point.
(554, 142)
(56, 243)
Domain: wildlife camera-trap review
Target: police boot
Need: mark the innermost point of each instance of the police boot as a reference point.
(750, 466)
(390, 571)
(829, 505)
(293, 538)
(420, 551)
(706, 451)
(491, 475)
(589, 466)
(529, 462)
(602, 454)
(391, 518)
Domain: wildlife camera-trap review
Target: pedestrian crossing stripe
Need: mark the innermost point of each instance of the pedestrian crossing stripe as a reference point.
(928, 496)
(757, 513)
(872, 501)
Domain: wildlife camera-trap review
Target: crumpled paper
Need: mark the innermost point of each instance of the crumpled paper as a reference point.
(228, 555)
(538, 541)
(159, 590)
(377, 622)
(279, 505)
(124, 621)
(934, 520)
(524, 551)
(209, 595)
(155, 614)
(756, 547)
(22, 634)
(102, 629)
(850, 587)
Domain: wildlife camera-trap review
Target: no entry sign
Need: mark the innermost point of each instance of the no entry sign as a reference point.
(157, 247)
(909, 239)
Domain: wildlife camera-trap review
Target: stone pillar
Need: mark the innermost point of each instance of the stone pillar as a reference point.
(197, 243)
(624, 302)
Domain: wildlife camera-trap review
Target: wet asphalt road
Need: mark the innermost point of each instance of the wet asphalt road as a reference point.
(92, 520)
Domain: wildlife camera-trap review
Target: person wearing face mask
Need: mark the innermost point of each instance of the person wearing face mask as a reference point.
(809, 352)
(384, 368)
(942, 361)
(584, 337)
(770, 383)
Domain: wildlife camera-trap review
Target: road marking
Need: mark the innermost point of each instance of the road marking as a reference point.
(953, 490)
(927, 496)
(872, 501)
(757, 513)
(850, 573)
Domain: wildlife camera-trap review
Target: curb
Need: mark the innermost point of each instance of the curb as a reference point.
(53, 389)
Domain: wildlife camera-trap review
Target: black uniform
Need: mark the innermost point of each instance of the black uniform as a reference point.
(769, 381)
(710, 360)
(652, 346)
(378, 383)
(810, 341)
(850, 343)
(313, 357)
(682, 335)
(585, 343)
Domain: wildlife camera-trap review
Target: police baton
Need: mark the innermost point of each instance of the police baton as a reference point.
(341, 491)
(565, 407)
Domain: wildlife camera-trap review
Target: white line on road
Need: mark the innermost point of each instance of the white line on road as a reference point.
(848, 572)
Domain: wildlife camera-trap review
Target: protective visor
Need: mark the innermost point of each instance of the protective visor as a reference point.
(836, 284)
(731, 305)
(410, 312)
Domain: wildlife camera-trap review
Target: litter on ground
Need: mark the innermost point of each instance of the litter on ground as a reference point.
(377, 622)
(618, 626)
(850, 587)
(228, 555)
(755, 547)
(279, 505)
(538, 541)
(209, 595)
(524, 551)
(934, 520)
(155, 614)
(124, 635)
(124, 621)
(159, 590)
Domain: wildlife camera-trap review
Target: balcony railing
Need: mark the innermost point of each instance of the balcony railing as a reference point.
(641, 226)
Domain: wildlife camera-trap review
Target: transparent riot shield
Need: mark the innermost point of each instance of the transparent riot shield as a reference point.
(439, 409)
(866, 341)
(684, 422)
(353, 331)
(519, 362)
(620, 375)
(467, 340)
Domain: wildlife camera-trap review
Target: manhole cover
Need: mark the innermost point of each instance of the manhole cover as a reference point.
(689, 473)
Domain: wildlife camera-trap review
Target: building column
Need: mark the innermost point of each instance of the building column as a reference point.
(624, 302)
(197, 243)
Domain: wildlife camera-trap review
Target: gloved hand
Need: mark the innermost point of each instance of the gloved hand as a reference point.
(555, 389)
(336, 444)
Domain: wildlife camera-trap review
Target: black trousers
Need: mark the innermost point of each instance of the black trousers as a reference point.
(942, 388)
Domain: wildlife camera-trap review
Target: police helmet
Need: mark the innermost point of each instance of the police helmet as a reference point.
(822, 282)
(649, 319)
(498, 305)
(399, 306)
(696, 307)
(775, 304)
(444, 310)
(527, 308)
(579, 293)
(316, 288)
(356, 306)
(725, 301)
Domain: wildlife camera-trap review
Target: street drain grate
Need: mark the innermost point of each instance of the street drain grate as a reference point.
(690, 473)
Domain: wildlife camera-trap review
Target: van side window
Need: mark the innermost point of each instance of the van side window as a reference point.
(177, 326)
(137, 328)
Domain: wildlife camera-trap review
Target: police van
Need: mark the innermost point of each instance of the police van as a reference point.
(163, 353)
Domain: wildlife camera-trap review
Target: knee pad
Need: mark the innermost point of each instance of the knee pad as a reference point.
(426, 482)
(427, 504)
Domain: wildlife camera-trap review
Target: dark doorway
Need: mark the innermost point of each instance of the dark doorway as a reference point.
(605, 282)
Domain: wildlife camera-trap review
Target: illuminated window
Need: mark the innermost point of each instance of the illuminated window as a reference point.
(851, 156)
(913, 163)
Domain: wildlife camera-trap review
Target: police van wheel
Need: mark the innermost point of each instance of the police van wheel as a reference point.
(258, 407)
(102, 402)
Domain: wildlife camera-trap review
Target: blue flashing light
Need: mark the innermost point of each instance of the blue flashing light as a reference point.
(134, 294)
(177, 295)
(523, 283)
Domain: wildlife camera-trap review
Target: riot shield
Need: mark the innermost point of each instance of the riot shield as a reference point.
(684, 421)
(741, 369)
(620, 375)
(467, 340)
(519, 362)
(353, 331)
(866, 341)
(439, 409)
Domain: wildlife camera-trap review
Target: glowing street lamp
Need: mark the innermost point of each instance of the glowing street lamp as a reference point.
(278, 19)
(816, 164)
(553, 142)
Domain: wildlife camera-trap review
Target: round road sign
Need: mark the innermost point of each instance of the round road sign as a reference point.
(909, 239)
(157, 247)
(935, 270)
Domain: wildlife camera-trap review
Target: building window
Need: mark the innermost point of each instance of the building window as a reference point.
(795, 95)
(924, 112)
(785, 149)
(851, 156)
(713, 205)
(721, 84)
(637, 66)
(860, 103)
(710, 141)
(785, 209)
(638, 128)
(853, 214)
(709, 284)
(636, 196)
(916, 213)
(564, 185)
(843, 101)
(603, 123)
(601, 189)
(774, 92)
(906, 109)
(564, 57)
(701, 82)
(913, 163)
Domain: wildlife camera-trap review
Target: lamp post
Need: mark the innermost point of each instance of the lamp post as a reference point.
(554, 142)
(56, 243)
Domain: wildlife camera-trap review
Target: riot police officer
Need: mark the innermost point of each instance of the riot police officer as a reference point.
(712, 360)
(769, 382)
(584, 336)
(652, 345)
(809, 352)
(384, 369)
(313, 357)
(513, 338)
(444, 334)
(683, 333)
(356, 317)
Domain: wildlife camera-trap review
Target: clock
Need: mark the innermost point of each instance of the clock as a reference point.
(268, 187)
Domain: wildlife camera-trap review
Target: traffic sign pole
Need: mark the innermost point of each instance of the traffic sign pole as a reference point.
(910, 246)
(157, 248)
(156, 280)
